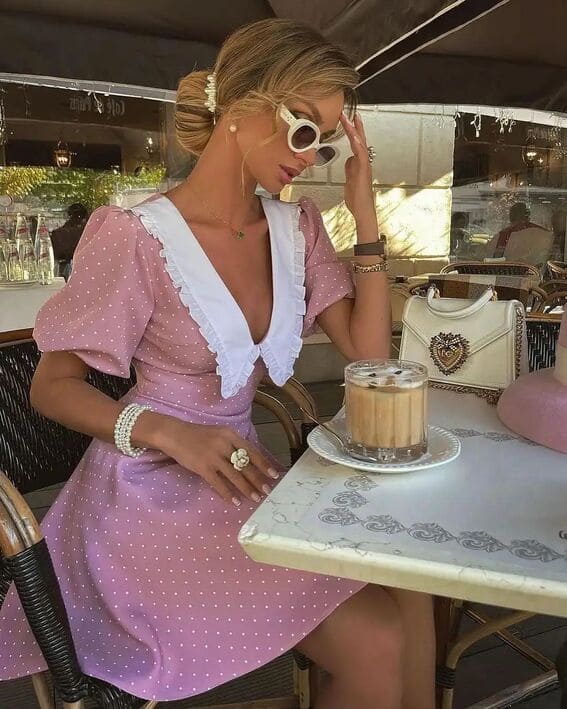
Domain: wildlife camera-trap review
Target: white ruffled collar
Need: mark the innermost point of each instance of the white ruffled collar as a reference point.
(212, 306)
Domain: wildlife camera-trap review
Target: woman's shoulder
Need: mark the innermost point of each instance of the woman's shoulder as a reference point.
(117, 229)
(108, 220)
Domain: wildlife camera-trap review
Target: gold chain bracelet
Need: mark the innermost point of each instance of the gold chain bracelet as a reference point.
(378, 267)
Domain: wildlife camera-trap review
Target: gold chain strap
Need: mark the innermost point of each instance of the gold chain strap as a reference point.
(489, 395)
(519, 337)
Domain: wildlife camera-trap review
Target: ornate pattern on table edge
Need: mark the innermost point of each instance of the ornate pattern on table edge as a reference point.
(352, 499)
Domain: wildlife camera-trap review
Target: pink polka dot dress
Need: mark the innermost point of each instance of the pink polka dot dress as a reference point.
(161, 599)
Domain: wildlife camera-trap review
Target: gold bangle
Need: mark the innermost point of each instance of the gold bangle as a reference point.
(378, 267)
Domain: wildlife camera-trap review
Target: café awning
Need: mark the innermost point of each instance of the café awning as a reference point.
(500, 52)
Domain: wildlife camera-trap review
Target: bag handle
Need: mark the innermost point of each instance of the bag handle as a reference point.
(433, 295)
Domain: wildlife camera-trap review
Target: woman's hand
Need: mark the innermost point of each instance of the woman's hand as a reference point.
(206, 451)
(359, 197)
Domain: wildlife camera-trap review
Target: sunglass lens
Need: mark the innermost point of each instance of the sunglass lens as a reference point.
(325, 154)
(303, 137)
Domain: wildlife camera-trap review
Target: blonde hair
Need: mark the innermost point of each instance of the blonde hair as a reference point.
(262, 65)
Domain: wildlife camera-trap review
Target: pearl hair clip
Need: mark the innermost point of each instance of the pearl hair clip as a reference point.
(211, 91)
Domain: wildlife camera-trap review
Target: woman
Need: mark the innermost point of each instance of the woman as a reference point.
(206, 288)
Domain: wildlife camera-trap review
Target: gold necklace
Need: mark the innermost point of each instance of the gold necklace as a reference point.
(237, 233)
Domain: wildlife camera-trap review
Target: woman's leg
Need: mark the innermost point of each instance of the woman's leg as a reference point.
(361, 646)
(416, 611)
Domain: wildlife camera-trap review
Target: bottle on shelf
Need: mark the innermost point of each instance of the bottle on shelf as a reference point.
(28, 260)
(3, 263)
(26, 249)
(15, 271)
(44, 252)
(4, 237)
(21, 230)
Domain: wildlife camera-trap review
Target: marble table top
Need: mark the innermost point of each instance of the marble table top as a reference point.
(20, 305)
(489, 527)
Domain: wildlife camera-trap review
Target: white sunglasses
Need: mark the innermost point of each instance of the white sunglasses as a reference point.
(305, 135)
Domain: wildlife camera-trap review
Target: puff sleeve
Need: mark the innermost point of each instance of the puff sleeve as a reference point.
(102, 312)
(327, 280)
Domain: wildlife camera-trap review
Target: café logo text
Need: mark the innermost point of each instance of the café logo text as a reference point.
(109, 106)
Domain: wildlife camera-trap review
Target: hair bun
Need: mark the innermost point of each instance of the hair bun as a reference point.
(193, 121)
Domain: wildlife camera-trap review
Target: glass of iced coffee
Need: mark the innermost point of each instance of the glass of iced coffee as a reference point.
(386, 410)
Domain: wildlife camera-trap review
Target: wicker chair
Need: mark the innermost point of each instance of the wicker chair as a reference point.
(542, 333)
(503, 268)
(34, 453)
(557, 269)
(553, 285)
(556, 299)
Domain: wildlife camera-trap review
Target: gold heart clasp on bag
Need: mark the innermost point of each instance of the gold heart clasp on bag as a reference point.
(449, 351)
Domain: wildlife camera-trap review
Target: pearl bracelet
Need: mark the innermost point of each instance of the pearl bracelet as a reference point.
(123, 429)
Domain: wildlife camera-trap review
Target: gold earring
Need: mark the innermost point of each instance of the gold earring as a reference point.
(232, 128)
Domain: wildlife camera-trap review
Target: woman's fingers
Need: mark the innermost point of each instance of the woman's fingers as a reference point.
(256, 458)
(357, 145)
(219, 484)
(360, 127)
(240, 482)
(248, 481)
(216, 447)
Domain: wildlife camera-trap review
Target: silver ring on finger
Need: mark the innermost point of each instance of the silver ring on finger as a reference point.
(371, 153)
(240, 459)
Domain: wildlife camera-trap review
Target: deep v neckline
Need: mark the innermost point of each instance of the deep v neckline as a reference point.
(225, 290)
(212, 306)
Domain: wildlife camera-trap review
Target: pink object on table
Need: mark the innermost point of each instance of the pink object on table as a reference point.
(535, 405)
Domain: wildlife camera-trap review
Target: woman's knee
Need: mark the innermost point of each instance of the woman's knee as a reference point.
(378, 649)
(374, 670)
(375, 634)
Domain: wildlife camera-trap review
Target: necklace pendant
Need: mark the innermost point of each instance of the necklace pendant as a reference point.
(239, 235)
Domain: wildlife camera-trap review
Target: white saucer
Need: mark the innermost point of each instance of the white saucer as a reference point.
(443, 447)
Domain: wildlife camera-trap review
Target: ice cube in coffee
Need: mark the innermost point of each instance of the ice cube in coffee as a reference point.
(386, 410)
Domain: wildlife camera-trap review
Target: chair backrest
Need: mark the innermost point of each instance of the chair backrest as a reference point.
(552, 285)
(556, 300)
(504, 268)
(34, 451)
(557, 269)
(542, 332)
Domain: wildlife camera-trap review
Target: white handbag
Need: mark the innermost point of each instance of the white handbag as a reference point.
(470, 346)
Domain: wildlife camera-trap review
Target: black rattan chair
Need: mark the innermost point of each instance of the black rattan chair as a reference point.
(542, 332)
(35, 453)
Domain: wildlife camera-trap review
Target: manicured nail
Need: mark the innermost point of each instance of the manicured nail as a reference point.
(255, 497)
(273, 474)
(267, 489)
(236, 502)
